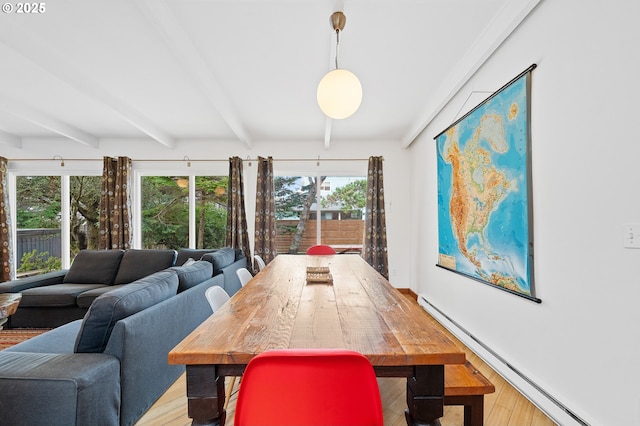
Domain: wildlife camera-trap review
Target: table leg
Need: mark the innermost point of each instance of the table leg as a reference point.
(205, 395)
(425, 396)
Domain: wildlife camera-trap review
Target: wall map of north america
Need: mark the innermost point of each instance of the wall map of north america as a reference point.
(483, 192)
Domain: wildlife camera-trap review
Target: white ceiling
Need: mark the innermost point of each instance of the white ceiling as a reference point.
(236, 70)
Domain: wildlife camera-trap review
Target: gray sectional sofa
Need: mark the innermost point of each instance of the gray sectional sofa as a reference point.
(111, 366)
(57, 298)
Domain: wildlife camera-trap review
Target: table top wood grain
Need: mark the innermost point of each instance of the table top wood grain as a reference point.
(360, 310)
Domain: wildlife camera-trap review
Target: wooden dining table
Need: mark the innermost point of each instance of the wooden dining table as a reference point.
(284, 307)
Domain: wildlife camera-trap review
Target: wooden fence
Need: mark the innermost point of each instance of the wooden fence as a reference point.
(345, 235)
(40, 240)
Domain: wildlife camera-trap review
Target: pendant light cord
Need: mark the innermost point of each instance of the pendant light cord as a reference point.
(337, 45)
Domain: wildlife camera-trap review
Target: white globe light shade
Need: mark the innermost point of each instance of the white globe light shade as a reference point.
(339, 94)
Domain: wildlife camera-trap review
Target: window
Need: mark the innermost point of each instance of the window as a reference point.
(166, 218)
(211, 211)
(340, 209)
(38, 213)
(165, 212)
(84, 213)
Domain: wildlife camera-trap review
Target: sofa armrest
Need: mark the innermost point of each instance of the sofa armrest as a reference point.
(49, 278)
(59, 389)
(146, 374)
(60, 340)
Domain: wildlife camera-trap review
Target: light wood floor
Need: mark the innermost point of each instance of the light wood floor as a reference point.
(505, 407)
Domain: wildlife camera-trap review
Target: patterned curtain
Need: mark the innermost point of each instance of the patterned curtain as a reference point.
(374, 247)
(5, 223)
(115, 204)
(237, 235)
(264, 244)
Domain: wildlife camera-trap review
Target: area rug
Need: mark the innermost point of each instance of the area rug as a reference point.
(9, 338)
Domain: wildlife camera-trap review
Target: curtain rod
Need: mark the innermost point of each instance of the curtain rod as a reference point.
(58, 158)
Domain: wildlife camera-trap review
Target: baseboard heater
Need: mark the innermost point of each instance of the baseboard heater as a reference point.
(553, 408)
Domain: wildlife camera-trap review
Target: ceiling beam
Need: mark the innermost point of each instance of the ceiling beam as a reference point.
(10, 139)
(495, 33)
(33, 116)
(53, 61)
(163, 19)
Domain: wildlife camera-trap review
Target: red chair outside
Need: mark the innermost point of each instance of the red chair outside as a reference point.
(309, 387)
(320, 250)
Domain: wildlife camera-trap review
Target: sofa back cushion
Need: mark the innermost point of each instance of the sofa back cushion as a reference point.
(220, 259)
(120, 303)
(94, 267)
(193, 274)
(137, 264)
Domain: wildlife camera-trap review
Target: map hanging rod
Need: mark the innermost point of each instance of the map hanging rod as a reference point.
(529, 69)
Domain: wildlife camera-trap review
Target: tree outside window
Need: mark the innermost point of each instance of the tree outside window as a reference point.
(165, 211)
(342, 199)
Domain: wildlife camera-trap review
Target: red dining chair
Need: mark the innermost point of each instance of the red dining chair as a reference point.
(309, 387)
(320, 249)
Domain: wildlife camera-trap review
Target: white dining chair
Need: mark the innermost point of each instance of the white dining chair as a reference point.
(259, 262)
(216, 296)
(244, 275)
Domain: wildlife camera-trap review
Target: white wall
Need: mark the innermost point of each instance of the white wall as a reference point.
(580, 344)
(396, 171)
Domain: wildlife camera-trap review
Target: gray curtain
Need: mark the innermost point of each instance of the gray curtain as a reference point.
(374, 247)
(264, 243)
(115, 204)
(5, 224)
(237, 234)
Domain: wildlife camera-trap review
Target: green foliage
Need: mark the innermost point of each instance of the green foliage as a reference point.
(165, 212)
(215, 229)
(352, 196)
(38, 203)
(290, 196)
(84, 194)
(34, 261)
(39, 206)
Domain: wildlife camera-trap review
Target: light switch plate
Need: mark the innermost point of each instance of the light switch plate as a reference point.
(631, 235)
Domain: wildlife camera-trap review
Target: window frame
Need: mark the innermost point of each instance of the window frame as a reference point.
(186, 167)
(317, 168)
(158, 168)
(48, 168)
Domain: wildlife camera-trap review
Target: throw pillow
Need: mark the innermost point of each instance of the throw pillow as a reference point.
(120, 303)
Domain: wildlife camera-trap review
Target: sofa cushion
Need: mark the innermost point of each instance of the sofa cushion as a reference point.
(94, 267)
(120, 303)
(194, 274)
(185, 254)
(220, 259)
(85, 299)
(137, 264)
(57, 295)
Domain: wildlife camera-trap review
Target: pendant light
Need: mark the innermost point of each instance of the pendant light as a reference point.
(339, 92)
